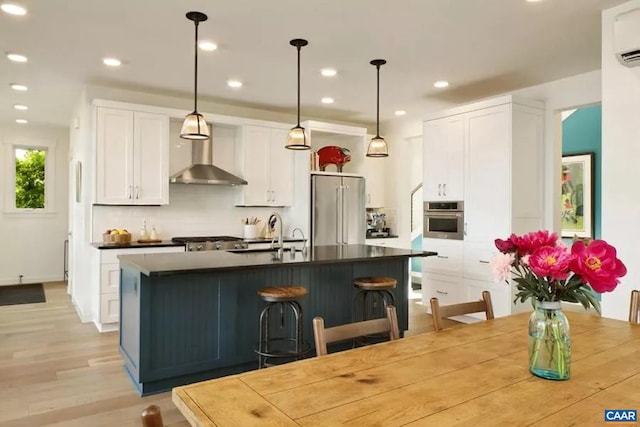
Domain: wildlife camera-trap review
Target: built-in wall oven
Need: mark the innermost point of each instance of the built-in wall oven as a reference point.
(444, 220)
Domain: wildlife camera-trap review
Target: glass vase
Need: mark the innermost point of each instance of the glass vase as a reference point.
(549, 342)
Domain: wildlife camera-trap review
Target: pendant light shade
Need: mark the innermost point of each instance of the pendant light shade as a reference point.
(297, 139)
(194, 126)
(377, 146)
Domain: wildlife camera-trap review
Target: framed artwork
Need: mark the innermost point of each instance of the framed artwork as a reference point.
(577, 195)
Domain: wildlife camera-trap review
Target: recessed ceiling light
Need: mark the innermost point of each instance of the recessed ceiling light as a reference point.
(19, 87)
(400, 112)
(234, 83)
(15, 57)
(328, 72)
(111, 62)
(13, 9)
(327, 100)
(22, 121)
(207, 45)
(20, 107)
(441, 83)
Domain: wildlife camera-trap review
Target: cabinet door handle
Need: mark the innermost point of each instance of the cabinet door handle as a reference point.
(273, 195)
(268, 196)
(130, 195)
(442, 257)
(444, 190)
(465, 228)
(137, 192)
(439, 189)
(368, 198)
(442, 292)
(481, 261)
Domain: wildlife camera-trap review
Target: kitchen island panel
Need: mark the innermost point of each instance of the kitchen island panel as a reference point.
(196, 326)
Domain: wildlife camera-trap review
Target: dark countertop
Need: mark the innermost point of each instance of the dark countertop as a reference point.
(135, 244)
(203, 261)
(390, 236)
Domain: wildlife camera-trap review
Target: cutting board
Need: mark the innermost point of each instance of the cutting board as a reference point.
(149, 240)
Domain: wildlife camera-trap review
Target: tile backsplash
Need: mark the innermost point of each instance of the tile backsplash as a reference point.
(204, 210)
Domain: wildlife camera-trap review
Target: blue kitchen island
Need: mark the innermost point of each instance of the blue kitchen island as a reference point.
(188, 317)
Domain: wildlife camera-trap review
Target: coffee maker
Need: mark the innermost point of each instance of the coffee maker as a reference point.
(376, 224)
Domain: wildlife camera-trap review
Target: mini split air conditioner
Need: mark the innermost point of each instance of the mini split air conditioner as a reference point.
(626, 37)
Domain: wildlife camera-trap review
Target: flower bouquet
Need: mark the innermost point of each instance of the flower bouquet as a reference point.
(547, 271)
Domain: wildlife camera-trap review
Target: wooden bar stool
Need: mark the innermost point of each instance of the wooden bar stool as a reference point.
(284, 344)
(374, 295)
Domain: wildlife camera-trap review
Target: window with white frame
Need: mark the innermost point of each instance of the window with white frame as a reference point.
(29, 177)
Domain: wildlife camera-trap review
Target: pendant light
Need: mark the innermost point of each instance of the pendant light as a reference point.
(194, 126)
(378, 146)
(297, 139)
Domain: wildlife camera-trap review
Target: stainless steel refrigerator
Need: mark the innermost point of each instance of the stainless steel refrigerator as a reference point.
(337, 210)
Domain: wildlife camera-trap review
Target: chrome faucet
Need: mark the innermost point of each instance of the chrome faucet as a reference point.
(304, 240)
(278, 219)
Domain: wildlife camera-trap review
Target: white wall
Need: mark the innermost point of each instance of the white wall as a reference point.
(33, 244)
(620, 154)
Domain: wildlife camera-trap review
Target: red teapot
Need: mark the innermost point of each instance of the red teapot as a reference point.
(333, 155)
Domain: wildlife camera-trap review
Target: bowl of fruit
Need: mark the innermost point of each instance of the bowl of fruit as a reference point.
(116, 237)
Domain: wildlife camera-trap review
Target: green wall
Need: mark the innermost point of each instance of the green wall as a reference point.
(581, 133)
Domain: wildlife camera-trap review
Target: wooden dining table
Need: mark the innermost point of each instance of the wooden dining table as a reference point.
(473, 374)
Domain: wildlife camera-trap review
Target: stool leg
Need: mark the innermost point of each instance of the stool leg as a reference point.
(388, 298)
(297, 312)
(264, 334)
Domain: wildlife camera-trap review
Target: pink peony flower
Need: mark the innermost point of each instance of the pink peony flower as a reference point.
(505, 246)
(525, 260)
(597, 264)
(529, 242)
(501, 266)
(552, 262)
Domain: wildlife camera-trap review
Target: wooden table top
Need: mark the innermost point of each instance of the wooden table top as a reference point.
(466, 375)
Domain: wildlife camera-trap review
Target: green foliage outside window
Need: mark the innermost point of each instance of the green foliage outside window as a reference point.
(30, 178)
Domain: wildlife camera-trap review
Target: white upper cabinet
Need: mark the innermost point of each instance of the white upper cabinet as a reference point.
(488, 170)
(266, 165)
(132, 157)
(444, 159)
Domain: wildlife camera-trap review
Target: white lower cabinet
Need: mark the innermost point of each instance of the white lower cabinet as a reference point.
(108, 298)
(449, 260)
(500, 296)
(392, 242)
(448, 289)
(477, 259)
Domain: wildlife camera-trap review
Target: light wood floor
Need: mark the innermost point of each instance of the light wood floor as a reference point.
(56, 371)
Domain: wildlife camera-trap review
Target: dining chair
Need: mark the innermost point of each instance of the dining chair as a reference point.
(324, 336)
(152, 417)
(634, 308)
(438, 312)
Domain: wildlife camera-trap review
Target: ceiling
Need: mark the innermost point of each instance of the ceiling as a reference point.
(482, 47)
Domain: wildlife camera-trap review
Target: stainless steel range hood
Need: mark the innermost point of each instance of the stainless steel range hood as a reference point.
(202, 170)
